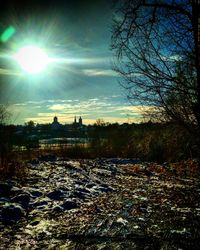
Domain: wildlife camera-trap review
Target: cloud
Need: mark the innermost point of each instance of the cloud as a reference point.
(20, 104)
(45, 114)
(172, 58)
(126, 119)
(139, 109)
(115, 96)
(57, 107)
(110, 108)
(99, 72)
(135, 112)
(91, 105)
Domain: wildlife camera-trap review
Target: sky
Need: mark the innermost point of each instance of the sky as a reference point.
(80, 81)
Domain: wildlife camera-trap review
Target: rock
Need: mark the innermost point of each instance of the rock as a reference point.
(55, 195)
(5, 189)
(105, 188)
(85, 181)
(148, 173)
(4, 199)
(35, 222)
(90, 185)
(41, 203)
(83, 190)
(11, 213)
(102, 172)
(79, 195)
(36, 193)
(122, 221)
(119, 161)
(79, 182)
(43, 208)
(58, 209)
(15, 190)
(105, 185)
(33, 180)
(23, 199)
(69, 204)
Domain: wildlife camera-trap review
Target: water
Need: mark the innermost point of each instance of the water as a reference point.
(60, 142)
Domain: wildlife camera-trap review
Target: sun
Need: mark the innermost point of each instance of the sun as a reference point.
(32, 59)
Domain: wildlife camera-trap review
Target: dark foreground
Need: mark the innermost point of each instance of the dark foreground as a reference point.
(101, 204)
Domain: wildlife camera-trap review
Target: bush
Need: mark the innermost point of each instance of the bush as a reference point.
(149, 141)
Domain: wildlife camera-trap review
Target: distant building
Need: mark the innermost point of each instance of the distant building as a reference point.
(75, 122)
(79, 123)
(55, 124)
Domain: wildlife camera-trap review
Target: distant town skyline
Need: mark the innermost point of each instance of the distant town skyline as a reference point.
(110, 109)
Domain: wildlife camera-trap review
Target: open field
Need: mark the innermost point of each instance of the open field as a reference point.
(101, 204)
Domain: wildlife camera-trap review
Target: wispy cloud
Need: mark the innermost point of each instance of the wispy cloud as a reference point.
(99, 72)
(57, 107)
(136, 109)
(172, 58)
(109, 108)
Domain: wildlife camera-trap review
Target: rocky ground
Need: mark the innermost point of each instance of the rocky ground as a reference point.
(101, 204)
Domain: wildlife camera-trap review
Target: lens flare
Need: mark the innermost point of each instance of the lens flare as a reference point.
(7, 34)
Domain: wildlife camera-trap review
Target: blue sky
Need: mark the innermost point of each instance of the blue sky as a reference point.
(81, 81)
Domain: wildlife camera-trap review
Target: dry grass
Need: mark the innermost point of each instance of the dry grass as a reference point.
(12, 166)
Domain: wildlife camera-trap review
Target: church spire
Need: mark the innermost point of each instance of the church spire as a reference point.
(80, 121)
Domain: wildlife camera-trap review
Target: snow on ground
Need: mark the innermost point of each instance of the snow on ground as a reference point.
(100, 204)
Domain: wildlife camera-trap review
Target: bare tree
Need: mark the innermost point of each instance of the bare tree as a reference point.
(157, 46)
(4, 145)
(4, 114)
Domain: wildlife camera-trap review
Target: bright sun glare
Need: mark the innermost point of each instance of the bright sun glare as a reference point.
(32, 60)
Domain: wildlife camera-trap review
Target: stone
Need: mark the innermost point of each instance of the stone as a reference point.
(55, 195)
(79, 195)
(11, 213)
(79, 182)
(69, 204)
(4, 199)
(105, 188)
(22, 199)
(58, 209)
(15, 190)
(35, 222)
(43, 208)
(83, 190)
(39, 203)
(90, 185)
(36, 193)
(119, 161)
(85, 181)
(102, 172)
(104, 185)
